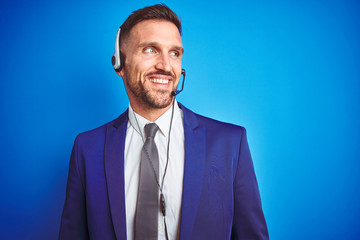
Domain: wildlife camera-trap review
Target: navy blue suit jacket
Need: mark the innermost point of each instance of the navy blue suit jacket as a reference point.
(220, 192)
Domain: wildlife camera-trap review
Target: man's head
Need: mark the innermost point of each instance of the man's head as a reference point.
(151, 45)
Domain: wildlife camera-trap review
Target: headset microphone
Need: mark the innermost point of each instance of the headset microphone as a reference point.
(176, 92)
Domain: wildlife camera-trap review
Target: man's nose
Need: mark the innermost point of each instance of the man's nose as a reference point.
(164, 63)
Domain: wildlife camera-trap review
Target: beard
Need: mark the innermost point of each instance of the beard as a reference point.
(158, 98)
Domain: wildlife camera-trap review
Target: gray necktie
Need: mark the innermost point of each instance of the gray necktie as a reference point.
(146, 219)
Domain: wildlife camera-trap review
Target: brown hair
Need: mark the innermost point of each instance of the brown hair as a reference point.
(158, 11)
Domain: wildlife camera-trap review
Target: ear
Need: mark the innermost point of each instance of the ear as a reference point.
(121, 73)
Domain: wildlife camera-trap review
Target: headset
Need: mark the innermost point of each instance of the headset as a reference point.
(118, 58)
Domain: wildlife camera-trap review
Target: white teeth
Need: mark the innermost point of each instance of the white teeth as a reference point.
(156, 80)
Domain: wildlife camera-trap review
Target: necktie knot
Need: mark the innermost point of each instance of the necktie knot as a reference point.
(151, 129)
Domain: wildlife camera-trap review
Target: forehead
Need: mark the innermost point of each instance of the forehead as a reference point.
(159, 31)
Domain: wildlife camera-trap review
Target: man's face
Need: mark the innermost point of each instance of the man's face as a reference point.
(152, 69)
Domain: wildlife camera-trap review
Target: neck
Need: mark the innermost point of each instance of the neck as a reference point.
(151, 114)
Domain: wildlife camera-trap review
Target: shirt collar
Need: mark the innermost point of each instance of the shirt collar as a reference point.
(163, 122)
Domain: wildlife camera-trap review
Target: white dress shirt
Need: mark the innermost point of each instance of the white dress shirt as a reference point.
(173, 182)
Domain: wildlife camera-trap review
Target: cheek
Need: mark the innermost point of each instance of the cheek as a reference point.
(142, 67)
(135, 72)
(176, 64)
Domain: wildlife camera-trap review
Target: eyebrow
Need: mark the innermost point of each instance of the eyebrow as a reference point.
(144, 44)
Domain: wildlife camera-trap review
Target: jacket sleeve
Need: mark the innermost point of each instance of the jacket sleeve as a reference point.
(73, 221)
(248, 221)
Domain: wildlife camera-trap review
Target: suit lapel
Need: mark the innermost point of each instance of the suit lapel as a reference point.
(193, 171)
(114, 171)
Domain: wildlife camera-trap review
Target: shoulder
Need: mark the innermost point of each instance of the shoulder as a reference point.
(206, 121)
(98, 134)
(221, 131)
(212, 125)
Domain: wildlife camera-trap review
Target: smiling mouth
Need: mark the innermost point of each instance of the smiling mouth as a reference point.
(159, 80)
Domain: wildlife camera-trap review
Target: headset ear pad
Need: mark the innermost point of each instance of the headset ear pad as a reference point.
(121, 61)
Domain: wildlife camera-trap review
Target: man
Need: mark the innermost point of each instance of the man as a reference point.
(188, 177)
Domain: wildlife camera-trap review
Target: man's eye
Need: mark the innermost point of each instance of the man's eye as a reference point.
(149, 50)
(176, 54)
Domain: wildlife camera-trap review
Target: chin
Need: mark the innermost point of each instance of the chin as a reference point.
(158, 102)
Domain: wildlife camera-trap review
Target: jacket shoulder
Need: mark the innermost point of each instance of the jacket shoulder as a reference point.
(98, 134)
(206, 121)
(197, 120)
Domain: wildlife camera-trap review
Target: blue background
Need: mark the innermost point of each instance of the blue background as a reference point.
(287, 71)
